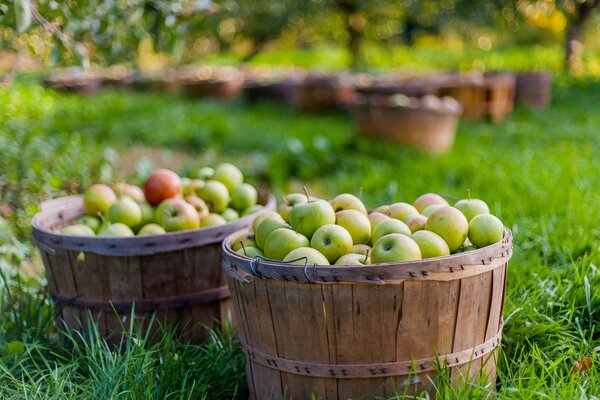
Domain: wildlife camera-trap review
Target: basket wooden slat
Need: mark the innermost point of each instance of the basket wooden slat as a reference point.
(533, 88)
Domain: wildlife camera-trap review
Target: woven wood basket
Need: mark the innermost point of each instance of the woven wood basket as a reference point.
(533, 88)
(177, 276)
(222, 89)
(73, 83)
(323, 93)
(340, 332)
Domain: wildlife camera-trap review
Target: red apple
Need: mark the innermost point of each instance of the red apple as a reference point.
(162, 184)
(177, 215)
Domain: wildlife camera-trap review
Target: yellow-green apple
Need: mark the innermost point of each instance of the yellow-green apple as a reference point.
(175, 214)
(363, 249)
(416, 222)
(431, 244)
(464, 249)
(134, 192)
(250, 251)
(244, 196)
(395, 247)
(230, 214)
(151, 229)
(90, 221)
(431, 209)
(472, 207)
(427, 199)
(198, 204)
(450, 224)
(375, 218)
(306, 255)
(333, 241)
(290, 201)
(246, 240)
(77, 230)
(162, 184)
(307, 217)
(265, 227)
(204, 173)
(347, 201)
(98, 198)
(229, 175)
(125, 211)
(400, 211)
(192, 186)
(381, 209)
(356, 223)
(282, 241)
(353, 259)
(212, 220)
(215, 195)
(115, 230)
(264, 215)
(485, 229)
(389, 226)
(251, 210)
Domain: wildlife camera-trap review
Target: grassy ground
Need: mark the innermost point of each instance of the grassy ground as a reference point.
(538, 171)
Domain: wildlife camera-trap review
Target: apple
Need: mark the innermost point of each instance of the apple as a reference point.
(177, 215)
(212, 220)
(90, 221)
(347, 201)
(282, 241)
(116, 230)
(125, 211)
(134, 192)
(363, 249)
(192, 186)
(215, 195)
(431, 244)
(98, 198)
(485, 229)
(389, 226)
(450, 224)
(353, 259)
(151, 229)
(250, 251)
(244, 196)
(307, 217)
(251, 210)
(431, 209)
(472, 207)
(264, 215)
(333, 241)
(356, 223)
(427, 199)
(229, 214)
(395, 247)
(162, 184)
(464, 249)
(312, 256)
(265, 227)
(204, 173)
(229, 175)
(400, 211)
(380, 209)
(198, 204)
(77, 230)
(290, 201)
(246, 240)
(375, 218)
(416, 222)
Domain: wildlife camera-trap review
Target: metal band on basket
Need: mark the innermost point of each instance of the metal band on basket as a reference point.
(372, 370)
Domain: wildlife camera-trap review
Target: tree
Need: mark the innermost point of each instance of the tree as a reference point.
(581, 13)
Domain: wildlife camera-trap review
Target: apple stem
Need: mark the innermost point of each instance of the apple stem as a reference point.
(243, 248)
(366, 256)
(306, 193)
(469, 194)
(360, 193)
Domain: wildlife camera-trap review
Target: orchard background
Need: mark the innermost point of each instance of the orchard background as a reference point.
(538, 170)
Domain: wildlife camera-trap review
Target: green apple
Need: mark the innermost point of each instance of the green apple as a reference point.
(472, 207)
(244, 196)
(212, 220)
(125, 211)
(427, 199)
(290, 201)
(464, 249)
(450, 224)
(395, 247)
(363, 249)
(134, 192)
(90, 221)
(312, 256)
(353, 259)
(265, 227)
(204, 173)
(151, 229)
(389, 226)
(250, 251)
(376, 218)
(115, 230)
(356, 223)
(215, 195)
(347, 201)
(333, 241)
(485, 229)
(246, 240)
(416, 222)
(282, 241)
(230, 214)
(229, 175)
(192, 187)
(174, 214)
(264, 215)
(77, 230)
(98, 198)
(380, 209)
(431, 244)
(251, 210)
(198, 204)
(147, 213)
(306, 218)
(400, 211)
(431, 209)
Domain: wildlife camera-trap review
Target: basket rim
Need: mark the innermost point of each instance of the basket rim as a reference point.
(363, 101)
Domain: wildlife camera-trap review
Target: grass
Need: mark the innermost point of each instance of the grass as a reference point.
(538, 171)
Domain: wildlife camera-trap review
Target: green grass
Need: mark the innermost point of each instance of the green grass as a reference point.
(538, 171)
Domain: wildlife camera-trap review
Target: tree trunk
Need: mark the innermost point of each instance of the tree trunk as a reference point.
(354, 26)
(573, 45)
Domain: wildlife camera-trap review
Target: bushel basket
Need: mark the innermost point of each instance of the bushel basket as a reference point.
(340, 332)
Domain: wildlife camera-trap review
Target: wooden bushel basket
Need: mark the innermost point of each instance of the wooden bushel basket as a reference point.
(323, 93)
(177, 275)
(533, 88)
(340, 332)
